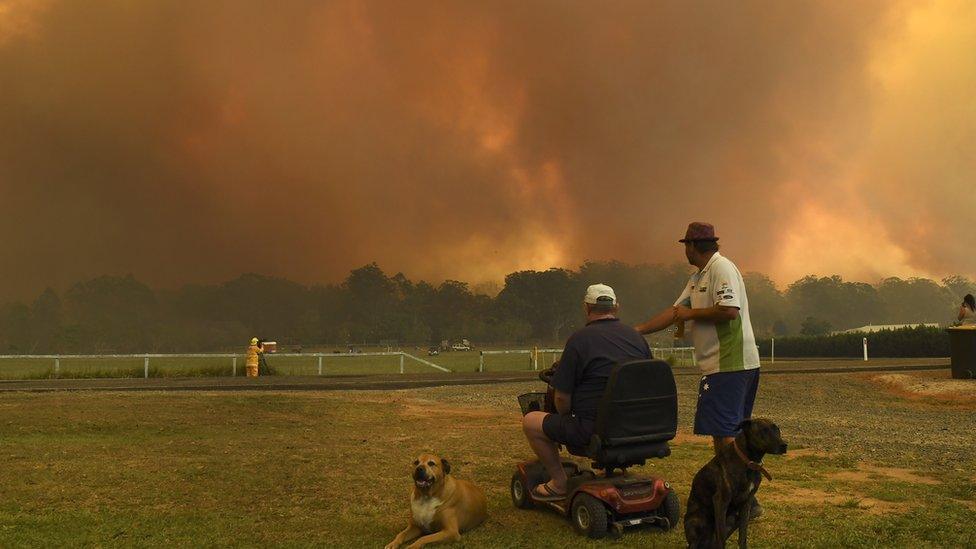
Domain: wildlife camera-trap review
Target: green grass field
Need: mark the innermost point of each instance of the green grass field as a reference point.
(867, 468)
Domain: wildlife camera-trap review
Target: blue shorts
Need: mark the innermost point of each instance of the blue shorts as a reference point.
(569, 430)
(725, 400)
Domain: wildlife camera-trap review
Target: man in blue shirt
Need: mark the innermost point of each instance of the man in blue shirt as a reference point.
(578, 384)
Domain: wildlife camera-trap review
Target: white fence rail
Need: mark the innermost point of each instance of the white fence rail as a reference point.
(219, 364)
(232, 359)
(533, 355)
(681, 355)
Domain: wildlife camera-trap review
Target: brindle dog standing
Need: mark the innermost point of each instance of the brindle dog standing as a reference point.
(723, 489)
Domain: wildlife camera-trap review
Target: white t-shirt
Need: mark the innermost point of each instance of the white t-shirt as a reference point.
(721, 346)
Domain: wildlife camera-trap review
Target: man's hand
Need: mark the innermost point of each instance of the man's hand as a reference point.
(563, 401)
(682, 313)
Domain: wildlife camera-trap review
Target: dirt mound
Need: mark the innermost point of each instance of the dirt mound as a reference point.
(929, 386)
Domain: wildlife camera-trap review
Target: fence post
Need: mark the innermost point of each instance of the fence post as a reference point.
(233, 367)
(401, 363)
(481, 361)
(772, 351)
(57, 367)
(320, 363)
(865, 349)
(145, 367)
(535, 358)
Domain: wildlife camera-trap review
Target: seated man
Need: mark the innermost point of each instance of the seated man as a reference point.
(578, 385)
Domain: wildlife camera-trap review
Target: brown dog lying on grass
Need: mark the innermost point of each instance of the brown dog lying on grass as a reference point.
(722, 490)
(441, 507)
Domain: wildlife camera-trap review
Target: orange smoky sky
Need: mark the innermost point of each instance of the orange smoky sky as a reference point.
(193, 141)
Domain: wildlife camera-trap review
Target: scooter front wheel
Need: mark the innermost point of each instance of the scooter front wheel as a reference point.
(520, 493)
(589, 516)
(671, 509)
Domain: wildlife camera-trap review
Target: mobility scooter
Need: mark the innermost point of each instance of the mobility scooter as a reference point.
(637, 416)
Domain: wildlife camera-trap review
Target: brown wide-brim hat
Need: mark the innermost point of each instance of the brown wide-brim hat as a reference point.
(698, 230)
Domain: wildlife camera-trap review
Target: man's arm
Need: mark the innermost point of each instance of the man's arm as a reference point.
(563, 401)
(666, 317)
(715, 313)
(563, 380)
(658, 322)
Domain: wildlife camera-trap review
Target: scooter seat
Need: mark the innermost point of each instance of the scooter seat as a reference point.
(637, 416)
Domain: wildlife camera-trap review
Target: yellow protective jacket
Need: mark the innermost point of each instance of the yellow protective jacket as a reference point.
(252, 355)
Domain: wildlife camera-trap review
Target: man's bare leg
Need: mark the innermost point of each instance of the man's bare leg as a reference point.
(546, 450)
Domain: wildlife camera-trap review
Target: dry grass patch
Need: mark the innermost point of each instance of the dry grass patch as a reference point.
(807, 452)
(799, 496)
(869, 473)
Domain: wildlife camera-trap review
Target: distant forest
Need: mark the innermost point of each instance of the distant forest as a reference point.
(121, 314)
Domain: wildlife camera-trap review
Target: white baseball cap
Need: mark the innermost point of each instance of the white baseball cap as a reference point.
(600, 294)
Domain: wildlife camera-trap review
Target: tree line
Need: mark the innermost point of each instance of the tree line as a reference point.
(121, 314)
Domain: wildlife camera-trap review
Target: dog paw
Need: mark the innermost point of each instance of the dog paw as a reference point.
(392, 545)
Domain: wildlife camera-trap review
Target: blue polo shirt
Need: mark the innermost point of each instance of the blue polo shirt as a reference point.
(589, 355)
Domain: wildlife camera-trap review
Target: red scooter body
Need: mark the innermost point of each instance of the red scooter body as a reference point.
(596, 504)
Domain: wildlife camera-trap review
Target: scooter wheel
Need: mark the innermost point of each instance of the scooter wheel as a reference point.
(520, 493)
(671, 509)
(589, 516)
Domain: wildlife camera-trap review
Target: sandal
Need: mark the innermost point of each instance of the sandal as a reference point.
(546, 493)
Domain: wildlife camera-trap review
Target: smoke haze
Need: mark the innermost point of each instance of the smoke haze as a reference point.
(192, 141)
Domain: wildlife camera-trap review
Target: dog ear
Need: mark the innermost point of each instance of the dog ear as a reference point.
(445, 466)
(745, 424)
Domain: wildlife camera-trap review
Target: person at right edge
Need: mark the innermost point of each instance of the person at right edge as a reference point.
(715, 302)
(967, 312)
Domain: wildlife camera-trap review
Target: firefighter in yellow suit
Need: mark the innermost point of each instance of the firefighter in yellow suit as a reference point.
(251, 362)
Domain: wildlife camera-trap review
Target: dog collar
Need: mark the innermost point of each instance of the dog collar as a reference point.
(751, 464)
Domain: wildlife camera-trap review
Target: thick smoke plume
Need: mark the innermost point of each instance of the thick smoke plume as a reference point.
(193, 141)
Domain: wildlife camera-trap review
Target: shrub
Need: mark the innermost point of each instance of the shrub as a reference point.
(921, 341)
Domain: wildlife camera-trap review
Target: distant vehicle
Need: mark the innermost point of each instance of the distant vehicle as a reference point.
(464, 345)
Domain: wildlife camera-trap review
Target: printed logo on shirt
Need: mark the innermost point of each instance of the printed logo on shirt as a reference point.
(725, 292)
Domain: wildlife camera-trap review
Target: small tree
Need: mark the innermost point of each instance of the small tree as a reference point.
(814, 327)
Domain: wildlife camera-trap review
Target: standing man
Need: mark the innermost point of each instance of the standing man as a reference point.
(725, 347)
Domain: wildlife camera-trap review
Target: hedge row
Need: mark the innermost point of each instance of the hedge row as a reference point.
(921, 341)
